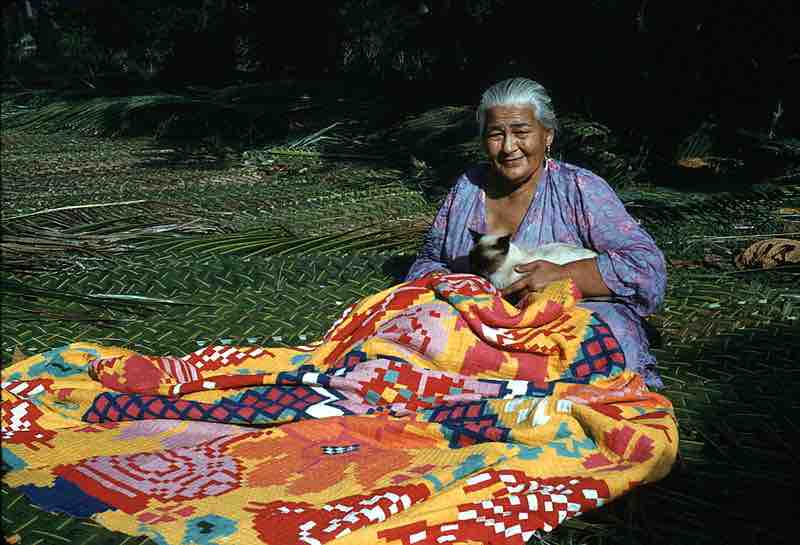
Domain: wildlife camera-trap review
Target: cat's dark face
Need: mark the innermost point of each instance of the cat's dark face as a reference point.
(488, 254)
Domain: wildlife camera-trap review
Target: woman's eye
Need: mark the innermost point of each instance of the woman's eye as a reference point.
(521, 133)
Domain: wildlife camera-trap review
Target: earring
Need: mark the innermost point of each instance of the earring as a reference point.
(547, 152)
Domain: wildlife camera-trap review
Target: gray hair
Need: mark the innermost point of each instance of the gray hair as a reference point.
(518, 92)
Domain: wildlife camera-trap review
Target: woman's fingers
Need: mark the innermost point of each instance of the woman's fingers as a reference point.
(528, 267)
(526, 282)
(520, 287)
(537, 275)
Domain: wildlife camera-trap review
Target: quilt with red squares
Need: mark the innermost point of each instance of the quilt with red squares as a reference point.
(431, 412)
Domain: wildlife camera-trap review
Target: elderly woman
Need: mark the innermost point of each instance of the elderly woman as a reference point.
(523, 191)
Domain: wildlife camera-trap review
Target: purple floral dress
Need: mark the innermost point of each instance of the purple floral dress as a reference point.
(572, 205)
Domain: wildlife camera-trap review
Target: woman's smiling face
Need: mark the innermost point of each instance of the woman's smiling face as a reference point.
(515, 143)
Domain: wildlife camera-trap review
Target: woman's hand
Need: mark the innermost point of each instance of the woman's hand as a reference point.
(584, 273)
(539, 274)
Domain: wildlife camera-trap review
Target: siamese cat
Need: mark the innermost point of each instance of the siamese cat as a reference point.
(495, 256)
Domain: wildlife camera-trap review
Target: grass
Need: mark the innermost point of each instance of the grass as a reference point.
(105, 212)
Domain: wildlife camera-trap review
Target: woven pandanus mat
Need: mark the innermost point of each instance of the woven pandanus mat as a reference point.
(303, 195)
(243, 301)
(24, 524)
(719, 335)
(729, 361)
(686, 225)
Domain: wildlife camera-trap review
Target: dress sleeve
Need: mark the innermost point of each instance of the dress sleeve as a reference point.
(431, 255)
(630, 263)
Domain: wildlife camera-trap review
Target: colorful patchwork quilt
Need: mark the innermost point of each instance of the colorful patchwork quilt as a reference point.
(432, 412)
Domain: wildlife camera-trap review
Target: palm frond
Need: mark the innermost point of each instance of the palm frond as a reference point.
(25, 302)
(159, 115)
(274, 241)
(55, 237)
(312, 139)
(584, 129)
(16, 292)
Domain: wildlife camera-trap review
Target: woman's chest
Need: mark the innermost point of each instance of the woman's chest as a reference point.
(503, 217)
(547, 218)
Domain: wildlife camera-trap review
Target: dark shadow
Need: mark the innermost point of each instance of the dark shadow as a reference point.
(741, 436)
(180, 154)
(397, 266)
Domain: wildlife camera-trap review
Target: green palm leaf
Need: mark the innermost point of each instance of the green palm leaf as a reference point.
(55, 237)
(398, 235)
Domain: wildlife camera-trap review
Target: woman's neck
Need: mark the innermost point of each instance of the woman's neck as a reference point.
(507, 205)
(501, 189)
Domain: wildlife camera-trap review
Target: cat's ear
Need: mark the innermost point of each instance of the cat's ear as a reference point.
(476, 236)
(503, 243)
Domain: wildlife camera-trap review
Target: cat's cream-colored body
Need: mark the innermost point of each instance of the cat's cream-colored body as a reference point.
(501, 272)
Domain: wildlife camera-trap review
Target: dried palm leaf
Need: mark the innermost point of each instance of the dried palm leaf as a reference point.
(160, 115)
(770, 253)
(55, 237)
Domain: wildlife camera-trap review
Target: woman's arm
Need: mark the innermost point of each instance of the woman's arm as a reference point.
(584, 273)
(629, 263)
(587, 277)
(430, 257)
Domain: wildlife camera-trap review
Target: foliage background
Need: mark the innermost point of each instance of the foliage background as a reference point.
(655, 67)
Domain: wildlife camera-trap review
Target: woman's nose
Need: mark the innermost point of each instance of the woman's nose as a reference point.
(509, 143)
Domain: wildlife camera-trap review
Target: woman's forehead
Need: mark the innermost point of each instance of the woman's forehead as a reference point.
(511, 115)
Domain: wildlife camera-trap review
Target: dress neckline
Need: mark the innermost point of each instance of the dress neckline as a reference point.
(482, 227)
